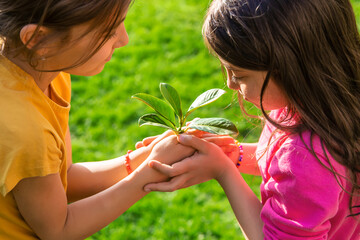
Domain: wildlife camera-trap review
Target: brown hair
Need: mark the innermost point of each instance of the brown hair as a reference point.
(311, 50)
(59, 16)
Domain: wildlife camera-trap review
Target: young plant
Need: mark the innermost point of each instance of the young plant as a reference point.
(169, 113)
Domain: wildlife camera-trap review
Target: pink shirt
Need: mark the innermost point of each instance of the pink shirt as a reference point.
(301, 198)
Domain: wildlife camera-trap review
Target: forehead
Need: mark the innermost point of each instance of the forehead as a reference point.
(231, 67)
(243, 71)
(93, 29)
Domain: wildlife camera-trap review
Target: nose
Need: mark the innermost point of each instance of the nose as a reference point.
(231, 82)
(123, 39)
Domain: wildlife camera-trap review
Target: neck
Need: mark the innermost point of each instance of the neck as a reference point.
(42, 79)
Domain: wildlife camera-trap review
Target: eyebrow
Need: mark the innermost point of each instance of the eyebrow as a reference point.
(123, 19)
(228, 66)
(233, 69)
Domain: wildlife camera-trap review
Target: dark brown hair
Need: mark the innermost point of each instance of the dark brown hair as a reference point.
(311, 50)
(59, 16)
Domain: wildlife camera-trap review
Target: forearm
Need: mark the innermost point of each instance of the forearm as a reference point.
(88, 178)
(43, 203)
(89, 215)
(244, 203)
(249, 163)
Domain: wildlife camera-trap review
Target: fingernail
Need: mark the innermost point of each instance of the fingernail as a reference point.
(183, 137)
(147, 189)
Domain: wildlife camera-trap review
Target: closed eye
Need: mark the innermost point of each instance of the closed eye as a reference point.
(236, 78)
(112, 35)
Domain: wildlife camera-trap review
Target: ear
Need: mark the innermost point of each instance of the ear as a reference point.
(30, 34)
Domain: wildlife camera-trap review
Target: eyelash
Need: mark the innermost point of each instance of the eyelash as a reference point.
(234, 78)
(112, 35)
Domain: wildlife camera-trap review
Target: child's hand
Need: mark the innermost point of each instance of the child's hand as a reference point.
(151, 141)
(168, 150)
(209, 162)
(147, 141)
(226, 143)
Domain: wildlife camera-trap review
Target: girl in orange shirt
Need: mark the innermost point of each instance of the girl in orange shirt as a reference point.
(43, 42)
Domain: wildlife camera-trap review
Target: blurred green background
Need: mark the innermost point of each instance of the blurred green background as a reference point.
(165, 46)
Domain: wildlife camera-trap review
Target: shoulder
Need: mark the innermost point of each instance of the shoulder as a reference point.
(28, 147)
(307, 150)
(302, 167)
(304, 151)
(27, 153)
(305, 161)
(300, 192)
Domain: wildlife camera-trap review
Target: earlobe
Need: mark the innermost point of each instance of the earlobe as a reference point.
(31, 34)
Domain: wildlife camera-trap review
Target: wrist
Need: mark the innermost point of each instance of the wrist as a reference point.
(127, 162)
(136, 158)
(241, 154)
(144, 175)
(228, 168)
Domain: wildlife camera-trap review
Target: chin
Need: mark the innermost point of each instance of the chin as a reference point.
(88, 73)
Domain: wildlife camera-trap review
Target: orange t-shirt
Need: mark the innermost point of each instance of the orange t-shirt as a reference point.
(32, 138)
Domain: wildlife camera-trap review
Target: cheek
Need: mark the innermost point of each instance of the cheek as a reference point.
(250, 92)
(274, 98)
(92, 66)
(100, 55)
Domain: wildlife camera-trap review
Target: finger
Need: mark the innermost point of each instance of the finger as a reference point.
(193, 142)
(195, 132)
(220, 140)
(147, 141)
(170, 186)
(206, 135)
(229, 148)
(215, 136)
(139, 145)
(170, 170)
(193, 181)
(161, 167)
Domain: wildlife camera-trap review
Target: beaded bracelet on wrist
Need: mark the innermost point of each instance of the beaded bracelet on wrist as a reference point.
(127, 162)
(241, 153)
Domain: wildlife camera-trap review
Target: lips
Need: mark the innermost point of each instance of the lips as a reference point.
(109, 58)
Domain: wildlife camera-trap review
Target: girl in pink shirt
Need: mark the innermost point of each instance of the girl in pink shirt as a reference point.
(299, 62)
(43, 193)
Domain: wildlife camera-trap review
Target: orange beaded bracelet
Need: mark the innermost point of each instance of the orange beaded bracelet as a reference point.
(127, 162)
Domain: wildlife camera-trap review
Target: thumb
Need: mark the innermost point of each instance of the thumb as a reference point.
(194, 142)
(139, 145)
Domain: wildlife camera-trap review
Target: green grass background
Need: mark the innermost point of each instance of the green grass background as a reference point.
(165, 46)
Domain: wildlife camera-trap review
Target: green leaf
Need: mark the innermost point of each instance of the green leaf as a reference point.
(155, 120)
(160, 106)
(205, 98)
(220, 126)
(171, 96)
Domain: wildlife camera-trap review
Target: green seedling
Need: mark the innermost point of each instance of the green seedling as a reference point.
(169, 113)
